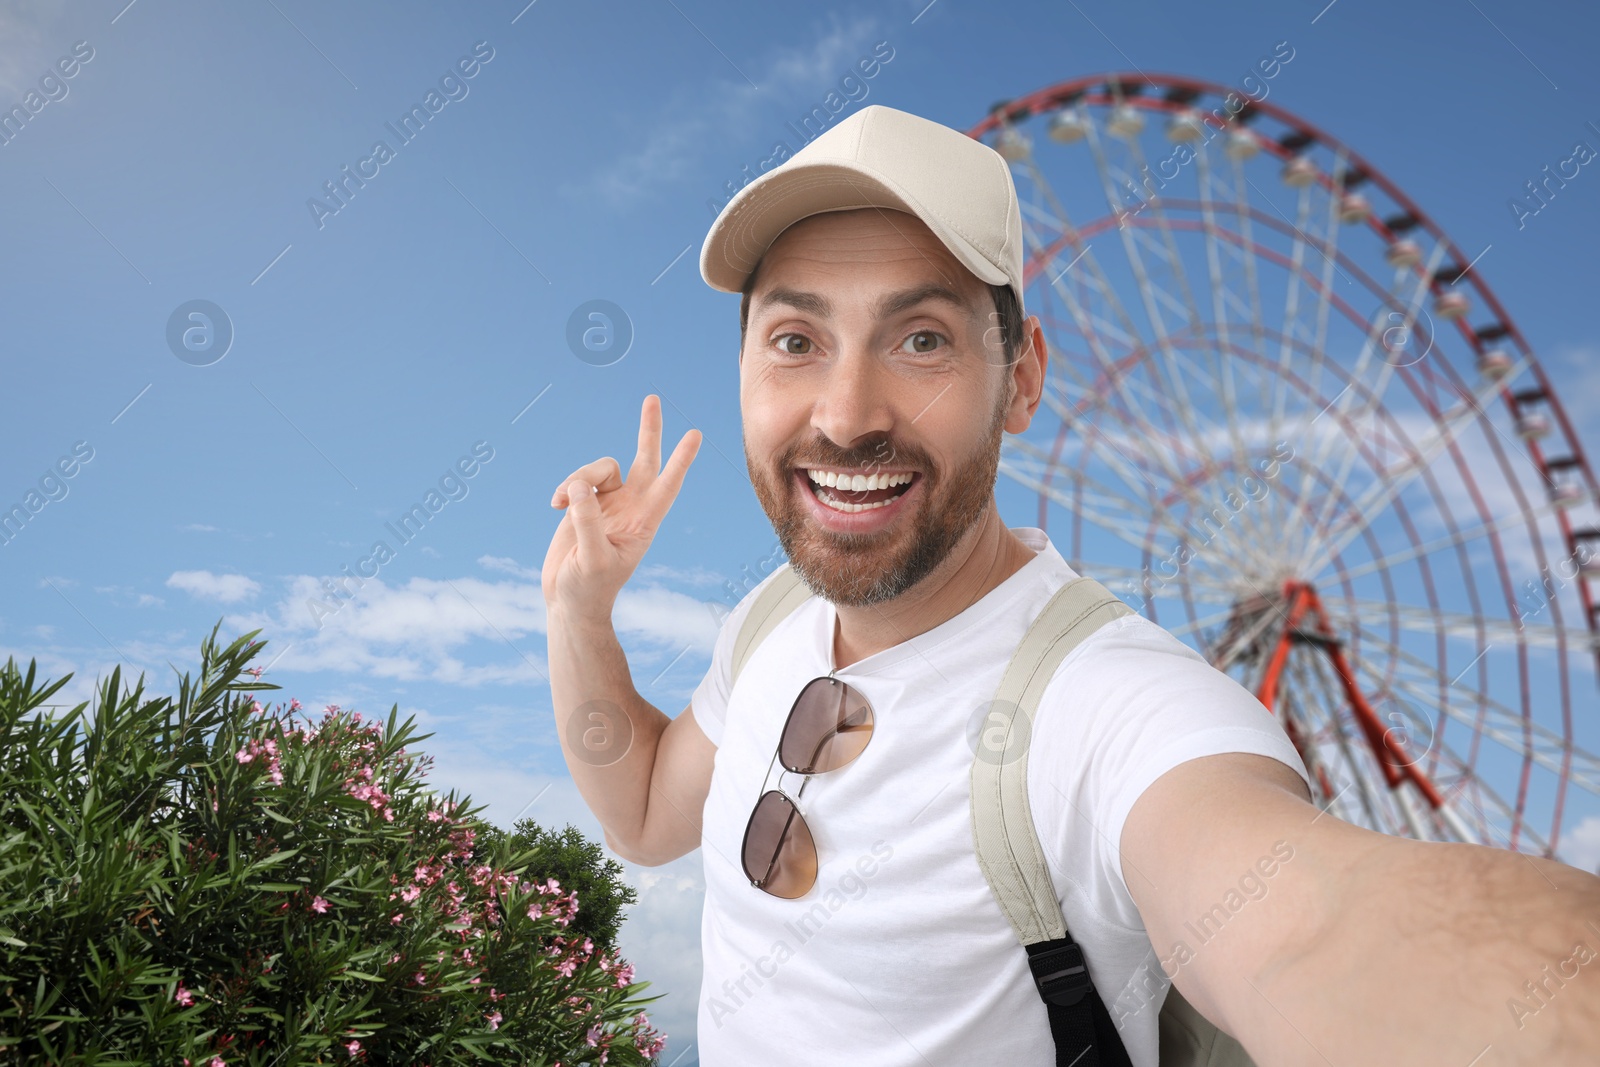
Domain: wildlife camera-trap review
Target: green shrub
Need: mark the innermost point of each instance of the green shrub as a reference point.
(580, 865)
(203, 880)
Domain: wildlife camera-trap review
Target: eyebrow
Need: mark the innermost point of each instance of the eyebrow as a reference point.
(887, 306)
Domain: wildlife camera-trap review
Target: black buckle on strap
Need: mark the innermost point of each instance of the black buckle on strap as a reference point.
(1059, 971)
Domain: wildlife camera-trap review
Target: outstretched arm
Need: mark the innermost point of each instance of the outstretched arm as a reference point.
(1317, 942)
(644, 776)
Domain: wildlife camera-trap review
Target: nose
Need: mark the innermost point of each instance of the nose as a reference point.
(856, 398)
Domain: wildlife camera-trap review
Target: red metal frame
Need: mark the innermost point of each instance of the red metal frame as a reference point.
(1305, 607)
(1175, 94)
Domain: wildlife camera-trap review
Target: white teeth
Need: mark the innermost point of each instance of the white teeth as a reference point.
(854, 483)
(857, 482)
(839, 505)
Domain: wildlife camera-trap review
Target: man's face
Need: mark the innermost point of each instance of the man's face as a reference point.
(865, 354)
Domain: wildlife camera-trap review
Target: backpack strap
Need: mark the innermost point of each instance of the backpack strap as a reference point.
(772, 605)
(1008, 846)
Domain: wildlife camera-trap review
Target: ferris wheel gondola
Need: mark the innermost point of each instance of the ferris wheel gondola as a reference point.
(1287, 418)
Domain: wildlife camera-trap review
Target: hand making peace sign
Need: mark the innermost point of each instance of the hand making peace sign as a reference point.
(610, 523)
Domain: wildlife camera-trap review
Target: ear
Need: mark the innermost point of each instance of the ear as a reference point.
(1027, 377)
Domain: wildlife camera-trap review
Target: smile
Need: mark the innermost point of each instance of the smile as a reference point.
(850, 492)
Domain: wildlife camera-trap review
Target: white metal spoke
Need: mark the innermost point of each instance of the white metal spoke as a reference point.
(1389, 485)
(1505, 726)
(1330, 432)
(1330, 435)
(1496, 632)
(1193, 324)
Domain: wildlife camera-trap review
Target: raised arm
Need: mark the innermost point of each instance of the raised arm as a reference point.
(644, 776)
(1314, 941)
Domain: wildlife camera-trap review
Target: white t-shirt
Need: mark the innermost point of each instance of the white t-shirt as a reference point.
(900, 954)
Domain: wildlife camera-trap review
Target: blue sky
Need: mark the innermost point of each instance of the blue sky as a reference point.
(374, 347)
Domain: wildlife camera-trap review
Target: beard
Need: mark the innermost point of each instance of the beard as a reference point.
(859, 570)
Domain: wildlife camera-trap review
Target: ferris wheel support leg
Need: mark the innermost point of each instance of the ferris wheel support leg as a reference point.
(1455, 823)
(1408, 808)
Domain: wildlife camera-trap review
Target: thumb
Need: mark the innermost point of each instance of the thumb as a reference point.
(594, 549)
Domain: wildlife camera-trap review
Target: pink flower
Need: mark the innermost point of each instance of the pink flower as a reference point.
(494, 1018)
(294, 704)
(184, 996)
(434, 815)
(319, 905)
(624, 975)
(422, 979)
(255, 705)
(410, 893)
(217, 1061)
(397, 918)
(593, 1037)
(353, 1047)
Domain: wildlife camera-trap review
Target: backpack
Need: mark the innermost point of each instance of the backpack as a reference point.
(1007, 845)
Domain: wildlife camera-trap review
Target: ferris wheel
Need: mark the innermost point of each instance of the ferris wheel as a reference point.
(1287, 419)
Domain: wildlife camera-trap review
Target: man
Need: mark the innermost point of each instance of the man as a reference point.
(883, 337)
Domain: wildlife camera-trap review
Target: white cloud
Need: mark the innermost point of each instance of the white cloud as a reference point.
(419, 630)
(696, 576)
(507, 565)
(661, 938)
(204, 585)
(732, 110)
(199, 527)
(25, 26)
(1580, 846)
(123, 594)
(661, 615)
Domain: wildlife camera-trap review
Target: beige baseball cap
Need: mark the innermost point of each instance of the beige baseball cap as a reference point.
(879, 157)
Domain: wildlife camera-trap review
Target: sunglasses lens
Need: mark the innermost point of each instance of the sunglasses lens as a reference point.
(828, 727)
(779, 854)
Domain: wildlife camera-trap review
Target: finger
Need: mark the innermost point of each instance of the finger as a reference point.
(648, 459)
(594, 550)
(604, 474)
(665, 489)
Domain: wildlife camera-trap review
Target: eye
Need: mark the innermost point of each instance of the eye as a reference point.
(794, 344)
(922, 342)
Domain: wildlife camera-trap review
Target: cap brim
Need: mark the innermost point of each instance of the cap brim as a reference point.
(766, 207)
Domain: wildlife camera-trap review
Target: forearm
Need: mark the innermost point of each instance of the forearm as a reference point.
(608, 732)
(1435, 953)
